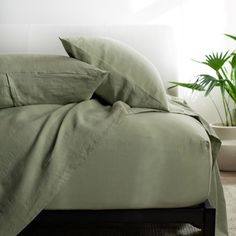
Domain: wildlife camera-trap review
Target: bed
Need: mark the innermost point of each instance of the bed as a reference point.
(146, 168)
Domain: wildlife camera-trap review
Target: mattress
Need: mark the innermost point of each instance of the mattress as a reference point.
(166, 164)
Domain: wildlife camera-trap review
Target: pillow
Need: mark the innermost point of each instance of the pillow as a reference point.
(37, 79)
(132, 79)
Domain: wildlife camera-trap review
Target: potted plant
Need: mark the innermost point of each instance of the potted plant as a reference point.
(224, 78)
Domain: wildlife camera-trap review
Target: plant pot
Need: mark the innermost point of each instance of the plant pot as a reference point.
(227, 154)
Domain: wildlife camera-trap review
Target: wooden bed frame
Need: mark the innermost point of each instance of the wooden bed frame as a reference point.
(202, 215)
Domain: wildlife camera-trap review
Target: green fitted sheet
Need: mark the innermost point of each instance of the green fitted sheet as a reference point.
(42, 146)
(150, 160)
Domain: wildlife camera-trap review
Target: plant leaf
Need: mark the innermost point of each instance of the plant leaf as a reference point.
(231, 36)
(231, 89)
(233, 68)
(233, 60)
(210, 87)
(208, 82)
(216, 60)
(203, 83)
(193, 86)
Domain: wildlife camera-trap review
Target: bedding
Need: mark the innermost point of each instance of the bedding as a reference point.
(43, 145)
(133, 79)
(38, 79)
(153, 160)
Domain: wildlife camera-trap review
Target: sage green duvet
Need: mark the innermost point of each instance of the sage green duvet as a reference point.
(43, 145)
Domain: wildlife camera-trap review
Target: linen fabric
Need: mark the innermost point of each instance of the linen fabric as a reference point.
(39, 79)
(43, 145)
(133, 79)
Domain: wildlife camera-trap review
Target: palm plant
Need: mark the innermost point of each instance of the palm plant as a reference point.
(224, 79)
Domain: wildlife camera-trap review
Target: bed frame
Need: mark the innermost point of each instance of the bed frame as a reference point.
(202, 216)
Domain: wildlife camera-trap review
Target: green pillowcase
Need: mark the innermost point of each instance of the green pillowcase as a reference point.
(132, 79)
(38, 79)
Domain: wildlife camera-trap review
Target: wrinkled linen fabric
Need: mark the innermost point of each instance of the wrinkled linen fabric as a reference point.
(30, 79)
(133, 78)
(216, 193)
(41, 146)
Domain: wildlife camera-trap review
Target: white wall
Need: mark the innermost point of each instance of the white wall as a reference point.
(198, 25)
(81, 11)
(62, 11)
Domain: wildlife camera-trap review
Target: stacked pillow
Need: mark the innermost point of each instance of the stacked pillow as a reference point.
(132, 79)
(38, 79)
(106, 67)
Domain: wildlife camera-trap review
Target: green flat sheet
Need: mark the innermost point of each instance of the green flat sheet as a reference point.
(216, 194)
(150, 160)
(42, 145)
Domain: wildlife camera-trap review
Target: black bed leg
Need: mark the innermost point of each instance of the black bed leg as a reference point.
(209, 220)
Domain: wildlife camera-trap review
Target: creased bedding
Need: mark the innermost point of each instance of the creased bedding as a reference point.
(216, 194)
(41, 146)
(152, 160)
(30, 79)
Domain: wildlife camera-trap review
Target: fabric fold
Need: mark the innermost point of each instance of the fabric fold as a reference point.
(42, 145)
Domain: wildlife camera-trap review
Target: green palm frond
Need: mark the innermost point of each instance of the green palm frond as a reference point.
(203, 83)
(216, 60)
(231, 36)
(233, 68)
(193, 86)
(207, 82)
(233, 60)
(231, 89)
(225, 80)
